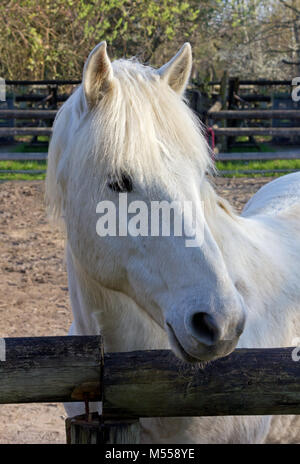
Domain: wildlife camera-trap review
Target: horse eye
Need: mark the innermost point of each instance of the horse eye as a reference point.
(122, 185)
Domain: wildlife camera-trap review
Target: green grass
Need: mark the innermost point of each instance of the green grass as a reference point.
(257, 165)
(24, 147)
(16, 176)
(22, 165)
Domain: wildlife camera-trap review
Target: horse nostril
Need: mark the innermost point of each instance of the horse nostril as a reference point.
(204, 328)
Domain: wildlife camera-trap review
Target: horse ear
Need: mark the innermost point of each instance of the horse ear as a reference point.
(177, 71)
(97, 74)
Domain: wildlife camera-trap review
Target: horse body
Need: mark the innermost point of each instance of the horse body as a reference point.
(147, 292)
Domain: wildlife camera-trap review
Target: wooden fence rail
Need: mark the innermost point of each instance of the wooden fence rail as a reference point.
(44, 82)
(43, 369)
(228, 131)
(7, 156)
(259, 82)
(27, 114)
(9, 131)
(256, 156)
(148, 383)
(254, 114)
(238, 131)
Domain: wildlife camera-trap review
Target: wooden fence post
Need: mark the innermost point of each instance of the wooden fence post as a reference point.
(224, 97)
(121, 432)
(80, 430)
(93, 430)
(232, 91)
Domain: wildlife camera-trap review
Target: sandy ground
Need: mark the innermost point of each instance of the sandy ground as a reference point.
(34, 291)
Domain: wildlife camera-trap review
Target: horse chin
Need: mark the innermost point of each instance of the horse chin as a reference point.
(211, 353)
(178, 349)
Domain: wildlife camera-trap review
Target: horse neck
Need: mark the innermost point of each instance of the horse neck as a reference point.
(249, 247)
(237, 237)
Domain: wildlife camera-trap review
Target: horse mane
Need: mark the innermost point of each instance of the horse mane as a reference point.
(140, 127)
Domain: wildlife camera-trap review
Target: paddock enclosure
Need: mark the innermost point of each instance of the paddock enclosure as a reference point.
(34, 282)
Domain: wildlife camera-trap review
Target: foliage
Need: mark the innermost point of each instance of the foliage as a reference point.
(250, 38)
(51, 39)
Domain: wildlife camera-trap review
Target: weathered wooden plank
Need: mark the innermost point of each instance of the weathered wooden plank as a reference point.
(6, 156)
(50, 369)
(6, 131)
(27, 114)
(254, 114)
(155, 383)
(258, 156)
(283, 131)
(138, 384)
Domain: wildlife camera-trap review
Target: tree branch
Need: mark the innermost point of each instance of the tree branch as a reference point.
(294, 9)
(297, 63)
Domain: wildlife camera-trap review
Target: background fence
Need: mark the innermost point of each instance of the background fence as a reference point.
(233, 110)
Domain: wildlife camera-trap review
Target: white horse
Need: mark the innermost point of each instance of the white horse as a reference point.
(128, 129)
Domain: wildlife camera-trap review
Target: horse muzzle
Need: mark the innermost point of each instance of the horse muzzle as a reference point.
(201, 336)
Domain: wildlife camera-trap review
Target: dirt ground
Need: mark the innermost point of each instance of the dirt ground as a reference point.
(34, 291)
